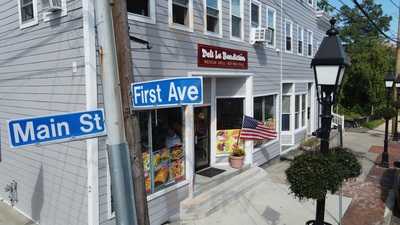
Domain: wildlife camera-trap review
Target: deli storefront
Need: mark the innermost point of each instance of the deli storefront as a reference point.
(191, 123)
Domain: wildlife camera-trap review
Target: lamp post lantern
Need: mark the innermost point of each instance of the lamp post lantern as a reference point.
(389, 80)
(329, 64)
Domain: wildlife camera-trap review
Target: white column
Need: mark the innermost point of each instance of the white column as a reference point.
(248, 111)
(189, 146)
(213, 122)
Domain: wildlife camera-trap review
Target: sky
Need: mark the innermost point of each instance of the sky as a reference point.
(388, 8)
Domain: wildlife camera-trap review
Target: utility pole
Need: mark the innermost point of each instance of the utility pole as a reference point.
(394, 120)
(117, 147)
(131, 123)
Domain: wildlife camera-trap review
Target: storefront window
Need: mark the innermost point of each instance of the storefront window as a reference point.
(229, 123)
(297, 112)
(265, 111)
(285, 113)
(162, 148)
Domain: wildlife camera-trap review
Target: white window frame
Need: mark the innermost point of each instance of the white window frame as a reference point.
(291, 35)
(297, 126)
(291, 114)
(241, 21)
(303, 112)
(277, 119)
(47, 16)
(215, 34)
(180, 26)
(302, 40)
(151, 19)
(255, 2)
(32, 22)
(312, 43)
(274, 25)
(310, 4)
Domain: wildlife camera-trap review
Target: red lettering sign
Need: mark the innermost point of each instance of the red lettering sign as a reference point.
(217, 57)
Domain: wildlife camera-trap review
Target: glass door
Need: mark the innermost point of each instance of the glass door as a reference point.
(202, 137)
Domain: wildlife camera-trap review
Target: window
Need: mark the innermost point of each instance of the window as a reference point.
(311, 3)
(255, 12)
(288, 35)
(229, 123)
(47, 16)
(265, 111)
(181, 14)
(236, 19)
(303, 110)
(285, 113)
(300, 40)
(297, 112)
(271, 26)
(28, 15)
(141, 10)
(213, 15)
(162, 148)
(309, 43)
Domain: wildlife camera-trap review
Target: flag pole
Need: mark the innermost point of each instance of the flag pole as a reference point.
(240, 132)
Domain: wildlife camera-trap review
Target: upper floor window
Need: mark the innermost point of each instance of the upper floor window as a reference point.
(237, 19)
(213, 16)
(181, 14)
(300, 40)
(311, 3)
(255, 11)
(141, 10)
(288, 35)
(309, 43)
(271, 26)
(28, 14)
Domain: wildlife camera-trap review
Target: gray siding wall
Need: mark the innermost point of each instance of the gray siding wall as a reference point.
(265, 154)
(37, 78)
(300, 136)
(174, 54)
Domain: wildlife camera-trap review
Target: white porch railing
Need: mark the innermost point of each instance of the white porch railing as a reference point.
(338, 120)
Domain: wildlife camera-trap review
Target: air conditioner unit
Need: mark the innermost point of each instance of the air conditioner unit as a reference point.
(257, 35)
(52, 5)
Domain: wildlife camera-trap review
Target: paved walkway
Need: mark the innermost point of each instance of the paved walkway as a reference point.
(9, 216)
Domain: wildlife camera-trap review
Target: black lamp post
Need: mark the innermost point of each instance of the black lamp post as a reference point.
(329, 64)
(396, 130)
(389, 80)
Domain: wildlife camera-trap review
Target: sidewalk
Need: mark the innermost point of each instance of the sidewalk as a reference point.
(10, 216)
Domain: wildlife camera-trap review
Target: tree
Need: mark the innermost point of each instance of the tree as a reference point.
(325, 6)
(372, 56)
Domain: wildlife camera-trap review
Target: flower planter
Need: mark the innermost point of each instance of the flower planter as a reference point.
(236, 161)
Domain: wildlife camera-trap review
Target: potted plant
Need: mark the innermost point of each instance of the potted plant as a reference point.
(313, 174)
(236, 158)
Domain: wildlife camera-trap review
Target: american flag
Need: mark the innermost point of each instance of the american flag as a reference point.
(255, 130)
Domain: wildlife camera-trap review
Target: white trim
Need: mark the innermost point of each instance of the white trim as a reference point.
(248, 111)
(291, 35)
(167, 190)
(33, 21)
(151, 19)
(213, 122)
(173, 25)
(302, 40)
(289, 149)
(268, 94)
(241, 39)
(255, 2)
(47, 16)
(189, 145)
(205, 31)
(231, 96)
(274, 25)
(220, 74)
(92, 145)
(296, 81)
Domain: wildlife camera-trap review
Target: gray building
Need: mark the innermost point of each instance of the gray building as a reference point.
(254, 57)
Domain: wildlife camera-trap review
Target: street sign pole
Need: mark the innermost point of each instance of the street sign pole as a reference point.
(120, 165)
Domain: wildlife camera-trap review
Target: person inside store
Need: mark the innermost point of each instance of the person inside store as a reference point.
(172, 138)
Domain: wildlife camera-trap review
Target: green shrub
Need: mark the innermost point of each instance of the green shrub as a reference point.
(312, 174)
